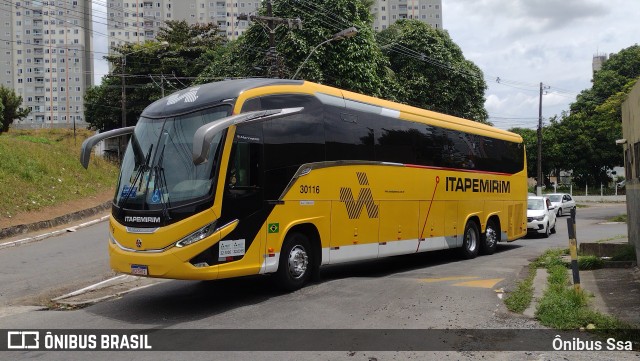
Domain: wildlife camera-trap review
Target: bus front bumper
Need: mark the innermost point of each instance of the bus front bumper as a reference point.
(172, 263)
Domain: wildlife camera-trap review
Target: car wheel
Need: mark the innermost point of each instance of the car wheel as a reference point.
(560, 212)
(490, 238)
(553, 229)
(546, 231)
(470, 241)
(296, 262)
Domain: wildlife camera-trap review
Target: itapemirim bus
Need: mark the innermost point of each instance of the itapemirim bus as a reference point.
(260, 176)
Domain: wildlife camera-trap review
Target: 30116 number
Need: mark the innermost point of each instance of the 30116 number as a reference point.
(307, 189)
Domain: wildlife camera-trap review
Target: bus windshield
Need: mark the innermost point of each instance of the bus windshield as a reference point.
(157, 169)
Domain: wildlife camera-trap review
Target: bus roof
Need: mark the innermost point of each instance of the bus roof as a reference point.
(207, 95)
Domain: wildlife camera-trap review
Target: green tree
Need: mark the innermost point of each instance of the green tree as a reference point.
(11, 110)
(551, 153)
(152, 70)
(355, 63)
(433, 71)
(587, 135)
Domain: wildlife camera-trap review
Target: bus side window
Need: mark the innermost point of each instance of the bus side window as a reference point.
(244, 174)
(240, 170)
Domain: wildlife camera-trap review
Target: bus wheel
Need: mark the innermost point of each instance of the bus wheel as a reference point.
(296, 262)
(471, 238)
(490, 238)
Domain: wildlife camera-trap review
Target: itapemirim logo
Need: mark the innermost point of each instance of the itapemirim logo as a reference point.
(365, 199)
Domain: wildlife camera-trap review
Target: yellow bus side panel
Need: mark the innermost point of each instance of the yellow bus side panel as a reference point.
(398, 220)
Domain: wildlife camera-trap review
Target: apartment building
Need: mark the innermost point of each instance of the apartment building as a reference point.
(387, 12)
(134, 21)
(47, 60)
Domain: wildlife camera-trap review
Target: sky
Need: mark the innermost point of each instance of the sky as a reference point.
(525, 42)
(522, 43)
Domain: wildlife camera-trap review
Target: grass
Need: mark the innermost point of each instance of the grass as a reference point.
(40, 168)
(620, 218)
(586, 263)
(563, 307)
(518, 300)
(617, 236)
(628, 253)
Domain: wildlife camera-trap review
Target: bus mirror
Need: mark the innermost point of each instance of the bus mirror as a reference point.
(89, 143)
(205, 134)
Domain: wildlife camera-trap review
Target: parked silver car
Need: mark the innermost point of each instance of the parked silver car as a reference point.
(564, 203)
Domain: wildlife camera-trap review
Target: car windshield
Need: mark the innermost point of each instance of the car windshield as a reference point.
(535, 204)
(157, 169)
(555, 197)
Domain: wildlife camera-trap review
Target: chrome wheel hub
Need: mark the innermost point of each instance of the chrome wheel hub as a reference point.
(492, 237)
(471, 240)
(298, 262)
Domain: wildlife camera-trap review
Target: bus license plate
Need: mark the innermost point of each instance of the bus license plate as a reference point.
(139, 269)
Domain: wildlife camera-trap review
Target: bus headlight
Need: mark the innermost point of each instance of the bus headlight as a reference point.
(198, 235)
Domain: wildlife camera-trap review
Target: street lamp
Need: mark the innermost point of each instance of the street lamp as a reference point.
(346, 33)
(163, 44)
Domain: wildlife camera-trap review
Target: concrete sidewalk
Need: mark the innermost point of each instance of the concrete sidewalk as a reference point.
(616, 291)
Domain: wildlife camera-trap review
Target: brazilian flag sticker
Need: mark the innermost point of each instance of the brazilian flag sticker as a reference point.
(274, 227)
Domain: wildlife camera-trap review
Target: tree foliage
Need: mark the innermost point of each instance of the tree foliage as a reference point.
(355, 63)
(364, 63)
(433, 71)
(587, 135)
(10, 104)
(151, 70)
(552, 157)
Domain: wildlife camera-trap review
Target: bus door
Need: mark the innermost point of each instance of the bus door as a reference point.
(243, 198)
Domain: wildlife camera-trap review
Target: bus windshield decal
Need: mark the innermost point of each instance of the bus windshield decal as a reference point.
(188, 96)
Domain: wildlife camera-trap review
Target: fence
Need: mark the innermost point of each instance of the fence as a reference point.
(45, 125)
(588, 191)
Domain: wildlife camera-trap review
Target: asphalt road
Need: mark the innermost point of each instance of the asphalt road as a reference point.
(434, 290)
(33, 273)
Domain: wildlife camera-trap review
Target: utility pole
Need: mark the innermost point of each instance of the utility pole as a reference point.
(539, 175)
(271, 23)
(540, 181)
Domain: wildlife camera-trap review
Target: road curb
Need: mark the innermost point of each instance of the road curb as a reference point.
(40, 237)
(539, 286)
(108, 289)
(58, 221)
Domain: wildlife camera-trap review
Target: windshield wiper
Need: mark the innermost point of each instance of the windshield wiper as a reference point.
(132, 188)
(160, 183)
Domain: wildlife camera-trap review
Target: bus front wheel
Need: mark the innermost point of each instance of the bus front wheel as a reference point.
(470, 242)
(296, 262)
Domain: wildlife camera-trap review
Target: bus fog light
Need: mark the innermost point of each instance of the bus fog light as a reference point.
(196, 236)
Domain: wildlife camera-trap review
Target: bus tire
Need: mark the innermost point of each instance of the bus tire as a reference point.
(471, 240)
(490, 238)
(296, 262)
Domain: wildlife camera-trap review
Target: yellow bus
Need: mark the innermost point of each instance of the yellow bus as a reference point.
(272, 176)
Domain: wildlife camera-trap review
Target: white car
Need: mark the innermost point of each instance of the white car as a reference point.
(563, 202)
(541, 216)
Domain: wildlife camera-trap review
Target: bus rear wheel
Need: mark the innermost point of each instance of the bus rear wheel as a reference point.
(470, 241)
(296, 262)
(490, 238)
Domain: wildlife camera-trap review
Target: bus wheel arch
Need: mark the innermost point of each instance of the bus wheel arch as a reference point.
(300, 257)
(491, 235)
(471, 238)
